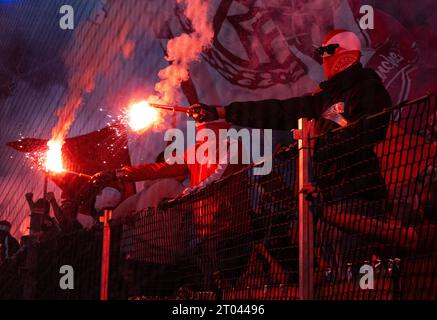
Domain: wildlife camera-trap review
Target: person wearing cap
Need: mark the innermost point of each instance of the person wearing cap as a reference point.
(8, 244)
(109, 198)
(349, 94)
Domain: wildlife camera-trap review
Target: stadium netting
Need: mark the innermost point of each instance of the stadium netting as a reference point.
(374, 215)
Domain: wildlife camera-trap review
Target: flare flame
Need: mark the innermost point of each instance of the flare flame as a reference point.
(53, 162)
(141, 116)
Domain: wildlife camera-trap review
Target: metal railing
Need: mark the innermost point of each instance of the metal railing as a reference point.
(368, 234)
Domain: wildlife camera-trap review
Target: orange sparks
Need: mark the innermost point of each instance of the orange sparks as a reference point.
(53, 161)
(141, 116)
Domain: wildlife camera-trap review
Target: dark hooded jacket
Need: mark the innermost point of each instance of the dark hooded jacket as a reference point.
(345, 165)
(8, 246)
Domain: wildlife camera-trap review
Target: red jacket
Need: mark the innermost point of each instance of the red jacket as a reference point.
(217, 213)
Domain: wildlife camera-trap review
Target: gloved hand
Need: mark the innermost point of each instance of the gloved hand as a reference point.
(103, 178)
(203, 113)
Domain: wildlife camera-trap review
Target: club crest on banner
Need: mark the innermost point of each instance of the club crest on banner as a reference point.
(249, 48)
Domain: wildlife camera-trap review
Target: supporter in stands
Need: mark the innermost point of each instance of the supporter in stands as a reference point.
(154, 191)
(65, 214)
(352, 184)
(217, 226)
(350, 93)
(8, 244)
(71, 215)
(150, 267)
(41, 224)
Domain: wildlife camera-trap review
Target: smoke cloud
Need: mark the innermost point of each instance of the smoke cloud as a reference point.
(96, 48)
(185, 49)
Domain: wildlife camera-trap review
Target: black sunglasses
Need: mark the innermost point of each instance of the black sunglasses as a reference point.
(329, 49)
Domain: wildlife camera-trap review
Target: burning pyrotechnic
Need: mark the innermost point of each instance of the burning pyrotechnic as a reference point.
(144, 114)
(85, 60)
(169, 107)
(181, 52)
(53, 161)
(141, 116)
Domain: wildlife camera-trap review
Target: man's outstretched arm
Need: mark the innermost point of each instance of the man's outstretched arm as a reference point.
(266, 114)
(153, 171)
(273, 114)
(149, 171)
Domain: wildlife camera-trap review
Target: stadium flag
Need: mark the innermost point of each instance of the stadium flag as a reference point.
(105, 149)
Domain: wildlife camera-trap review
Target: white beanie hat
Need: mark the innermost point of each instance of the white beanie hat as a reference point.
(109, 198)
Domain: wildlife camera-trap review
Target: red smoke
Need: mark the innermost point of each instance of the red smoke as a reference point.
(185, 49)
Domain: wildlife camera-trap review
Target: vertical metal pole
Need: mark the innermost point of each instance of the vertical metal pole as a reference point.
(104, 280)
(306, 250)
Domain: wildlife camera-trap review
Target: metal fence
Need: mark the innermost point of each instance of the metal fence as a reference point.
(381, 210)
(373, 228)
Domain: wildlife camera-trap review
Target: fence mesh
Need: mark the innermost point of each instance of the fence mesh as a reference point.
(377, 206)
(241, 226)
(238, 237)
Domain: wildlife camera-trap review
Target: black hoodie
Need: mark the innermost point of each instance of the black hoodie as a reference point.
(353, 94)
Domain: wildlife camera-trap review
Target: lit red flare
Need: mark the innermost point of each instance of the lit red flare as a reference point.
(53, 161)
(141, 116)
(168, 107)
